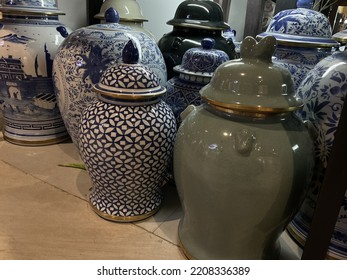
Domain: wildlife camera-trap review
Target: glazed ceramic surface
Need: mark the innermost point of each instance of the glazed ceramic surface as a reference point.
(193, 21)
(126, 141)
(304, 38)
(323, 92)
(85, 54)
(242, 160)
(29, 43)
(32, 6)
(196, 70)
(130, 14)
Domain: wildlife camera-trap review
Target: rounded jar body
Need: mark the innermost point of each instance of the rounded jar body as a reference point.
(323, 93)
(240, 180)
(126, 147)
(299, 60)
(180, 93)
(27, 97)
(83, 57)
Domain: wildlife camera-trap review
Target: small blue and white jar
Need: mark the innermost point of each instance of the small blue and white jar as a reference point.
(196, 70)
(29, 41)
(323, 93)
(304, 38)
(86, 53)
(126, 139)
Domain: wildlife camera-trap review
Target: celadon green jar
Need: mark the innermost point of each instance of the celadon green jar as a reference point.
(242, 160)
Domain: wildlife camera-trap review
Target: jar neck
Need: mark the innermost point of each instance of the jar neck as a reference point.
(29, 18)
(194, 79)
(127, 102)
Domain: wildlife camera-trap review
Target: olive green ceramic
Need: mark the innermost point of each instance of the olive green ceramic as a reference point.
(242, 160)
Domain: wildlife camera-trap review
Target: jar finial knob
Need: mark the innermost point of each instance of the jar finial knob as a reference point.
(130, 54)
(262, 50)
(208, 43)
(112, 16)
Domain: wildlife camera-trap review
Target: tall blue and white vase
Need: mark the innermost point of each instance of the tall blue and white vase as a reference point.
(86, 53)
(304, 38)
(126, 139)
(323, 93)
(28, 43)
(195, 71)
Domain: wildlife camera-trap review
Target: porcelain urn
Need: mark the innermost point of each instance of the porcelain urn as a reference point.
(126, 138)
(29, 41)
(242, 160)
(85, 55)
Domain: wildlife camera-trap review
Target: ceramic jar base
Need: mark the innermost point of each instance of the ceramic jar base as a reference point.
(299, 235)
(34, 133)
(272, 253)
(124, 219)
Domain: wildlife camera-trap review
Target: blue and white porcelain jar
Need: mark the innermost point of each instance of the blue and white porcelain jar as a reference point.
(195, 71)
(126, 139)
(304, 38)
(85, 55)
(28, 43)
(323, 93)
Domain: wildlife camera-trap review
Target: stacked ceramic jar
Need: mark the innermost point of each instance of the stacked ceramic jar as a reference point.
(194, 20)
(85, 55)
(197, 67)
(29, 42)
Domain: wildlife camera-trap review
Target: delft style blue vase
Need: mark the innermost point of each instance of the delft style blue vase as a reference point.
(195, 71)
(85, 55)
(28, 43)
(323, 93)
(126, 139)
(304, 38)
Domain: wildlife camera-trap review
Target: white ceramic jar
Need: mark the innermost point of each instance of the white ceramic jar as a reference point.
(126, 139)
(323, 93)
(85, 55)
(28, 43)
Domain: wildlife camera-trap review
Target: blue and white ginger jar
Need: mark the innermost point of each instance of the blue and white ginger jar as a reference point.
(323, 93)
(28, 44)
(126, 139)
(195, 71)
(304, 38)
(85, 55)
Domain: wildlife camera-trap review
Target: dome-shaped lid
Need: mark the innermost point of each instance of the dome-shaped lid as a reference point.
(20, 7)
(112, 19)
(202, 61)
(301, 27)
(252, 84)
(129, 80)
(129, 10)
(201, 14)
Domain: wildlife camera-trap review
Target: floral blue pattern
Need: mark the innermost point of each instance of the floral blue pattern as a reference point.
(323, 92)
(83, 57)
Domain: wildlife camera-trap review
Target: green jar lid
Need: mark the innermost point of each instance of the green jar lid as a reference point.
(252, 84)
